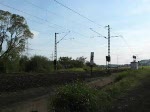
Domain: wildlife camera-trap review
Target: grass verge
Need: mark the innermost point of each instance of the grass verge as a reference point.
(127, 81)
(104, 97)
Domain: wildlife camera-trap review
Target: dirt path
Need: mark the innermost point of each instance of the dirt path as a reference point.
(101, 82)
(136, 100)
(39, 104)
(35, 99)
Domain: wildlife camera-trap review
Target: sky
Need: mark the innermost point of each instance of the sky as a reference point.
(128, 19)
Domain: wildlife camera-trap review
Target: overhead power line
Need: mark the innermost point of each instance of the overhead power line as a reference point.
(23, 12)
(61, 27)
(81, 15)
(63, 37)
(53, 13)
(29, 2)
(125, 41)
(126, 44)
(97, 33)
(30, 15)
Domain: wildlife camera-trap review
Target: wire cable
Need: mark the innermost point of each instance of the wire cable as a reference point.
(77, 13)
(98, 33)
(61, 27)
(127, 44)
(63, 37)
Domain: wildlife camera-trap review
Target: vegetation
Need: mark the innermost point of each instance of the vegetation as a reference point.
(14, 31)
(124, 82)
(38, 64)
(68, 62)
(111, 92)
(76, 97)
(41, 64)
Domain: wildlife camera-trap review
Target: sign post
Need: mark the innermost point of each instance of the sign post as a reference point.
(92, 62)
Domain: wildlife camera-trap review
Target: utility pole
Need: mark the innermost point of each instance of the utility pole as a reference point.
(108, 58)
(108, 40)
(55, 53)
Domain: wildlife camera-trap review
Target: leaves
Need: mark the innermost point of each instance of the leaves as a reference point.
(76, 97)
(14, 31)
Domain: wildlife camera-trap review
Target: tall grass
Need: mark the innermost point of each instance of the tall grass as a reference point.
(123, 83)
(75, 97)
(79, 96)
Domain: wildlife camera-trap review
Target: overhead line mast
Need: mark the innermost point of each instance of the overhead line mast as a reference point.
(55, 50)
(108, 58)
(55, 53)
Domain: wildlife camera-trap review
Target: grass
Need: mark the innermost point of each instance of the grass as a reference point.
(72, 70)
(124, 82)
(138, 95)
(84, 69)
(76, 97)
(127, 81)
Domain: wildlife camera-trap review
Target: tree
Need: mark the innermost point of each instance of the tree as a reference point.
(12, 63)
(66, 62)
(81, 61)
(38, 64)
(89, 64)
(23, 63)
(14, 31)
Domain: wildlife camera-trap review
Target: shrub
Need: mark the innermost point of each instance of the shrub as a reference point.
(75, 97)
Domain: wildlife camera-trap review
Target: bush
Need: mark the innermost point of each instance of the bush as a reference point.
(75, 97)
(38, 64)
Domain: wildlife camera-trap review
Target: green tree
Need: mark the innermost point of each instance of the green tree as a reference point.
(87, 63)
(23, 63)
(66, 62)
(81, 61)
(38, 64)
(10, 63)
(14, 31)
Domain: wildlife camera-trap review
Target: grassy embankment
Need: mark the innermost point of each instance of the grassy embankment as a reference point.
(104, 98)
(124, 83)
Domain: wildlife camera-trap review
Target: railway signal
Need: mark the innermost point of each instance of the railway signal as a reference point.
(92, 61)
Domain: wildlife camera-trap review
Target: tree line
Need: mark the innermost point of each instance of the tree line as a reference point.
(40, 64)
(14, 33)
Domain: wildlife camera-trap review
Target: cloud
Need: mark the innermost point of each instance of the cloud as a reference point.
(36, 33)
(142, 6)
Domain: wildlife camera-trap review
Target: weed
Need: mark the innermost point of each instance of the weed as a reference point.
(75, 97)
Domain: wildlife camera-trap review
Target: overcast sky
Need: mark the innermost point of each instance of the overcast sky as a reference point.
(128, 18)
